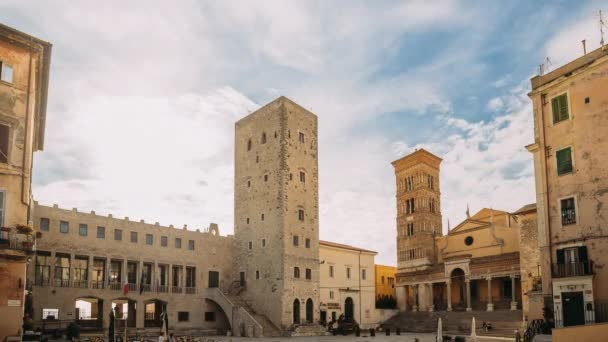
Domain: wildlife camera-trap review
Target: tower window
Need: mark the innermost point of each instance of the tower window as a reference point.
(290, 176)
(348, 273)
(262, 217)
(257, 274)
(263, 242)
(247, 220)
(331, 271)
(250, 245)
(249, 184)
(265, 178)
(302, 177)
(296, 240)
(301, 137)
(263, 137)
(296, 272)
(4, 143)
(249, 145)
(257, 159)
(301, 214)
(307, 243)
(308, 274)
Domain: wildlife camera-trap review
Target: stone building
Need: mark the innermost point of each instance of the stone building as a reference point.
(570, 106)
(474, 267)
(347, 284)
(86, 265)
(24, 74)
(276, 212)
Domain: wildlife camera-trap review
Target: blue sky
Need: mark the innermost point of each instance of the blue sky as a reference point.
(144, 96)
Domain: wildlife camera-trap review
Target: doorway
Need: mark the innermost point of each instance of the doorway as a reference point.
(309, 309)
(323, 317)
(214, 279)
(349, 309)
(296, 311)
(573, 308)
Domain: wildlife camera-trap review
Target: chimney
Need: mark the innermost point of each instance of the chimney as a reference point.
(584, 47)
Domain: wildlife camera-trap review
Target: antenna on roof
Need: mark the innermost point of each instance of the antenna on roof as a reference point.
(544, 67)
(602, 24)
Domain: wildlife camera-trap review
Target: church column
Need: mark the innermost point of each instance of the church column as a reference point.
(430, 297)
(402, 298)
(513, 299)
(415, 295)
(468, 283)
(449, 287)
(490, 304)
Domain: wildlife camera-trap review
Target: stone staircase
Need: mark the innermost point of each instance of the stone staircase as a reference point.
(504, 323)
(267, 327)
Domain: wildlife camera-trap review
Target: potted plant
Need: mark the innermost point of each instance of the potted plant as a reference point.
(29, 233)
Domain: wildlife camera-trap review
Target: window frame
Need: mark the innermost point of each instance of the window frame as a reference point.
(42, 219)
(4, 64)
(301, 215)
(301, 137)
(567, 94)
(67, 225)
(576, 215)
(191, 245)
(176, 244)
(8, 143)
(103, 232)
(180, 316)
(295, 240)
(134, 234)
(117, 233)
(80, 229)
(331, 271)
(164, 241)
(572, 165)
(150, 241)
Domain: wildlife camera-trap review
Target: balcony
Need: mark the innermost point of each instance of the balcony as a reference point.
(191, 290)
(17, 240)
(97, 284)
(162, 288)
(116, 286)
(573, 269)
(176, 289)
(80, 284)
(62, 282)
(42, 281)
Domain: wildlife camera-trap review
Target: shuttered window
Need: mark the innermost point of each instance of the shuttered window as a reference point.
(564, 160)
(559, 105)
(4, 132)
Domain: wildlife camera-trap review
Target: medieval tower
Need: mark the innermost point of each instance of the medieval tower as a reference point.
(418, 210)
(276, 212)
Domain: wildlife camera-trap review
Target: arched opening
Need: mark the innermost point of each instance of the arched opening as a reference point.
(296, 311)
(458, 289)
(220, 320)
(125, 312)
(152, 314)
(349, 309)
(88, 312)
(309, 310)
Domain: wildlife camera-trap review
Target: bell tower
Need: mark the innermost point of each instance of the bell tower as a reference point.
(418, 210)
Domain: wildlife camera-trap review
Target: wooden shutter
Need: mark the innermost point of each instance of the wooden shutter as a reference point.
(4, 132)
(564, 161)
(561, 258)
(563, 107)
(555, 109)
(582, 254)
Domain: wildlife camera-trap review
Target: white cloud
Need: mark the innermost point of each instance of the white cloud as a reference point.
(495, 104)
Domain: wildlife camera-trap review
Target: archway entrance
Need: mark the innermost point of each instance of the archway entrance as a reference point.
(125, 312)
(349, 309)
(296, 311)
(89, 312)
(309, 310)
(458, 289)
(153, 310)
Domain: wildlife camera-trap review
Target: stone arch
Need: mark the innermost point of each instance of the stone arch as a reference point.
(88, 311)
(296, 311)
(458, 288)
(309, 310)
(349, 309)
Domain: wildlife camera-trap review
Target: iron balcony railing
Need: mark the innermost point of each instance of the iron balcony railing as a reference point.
(568, 216)
(573, 269)
(162, 288)
(191, 290)
(97, 284)
(176, 289)
(80, 284)
(62, 283)
(41, 281)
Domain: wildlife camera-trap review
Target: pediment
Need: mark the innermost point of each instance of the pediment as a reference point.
(468, 224)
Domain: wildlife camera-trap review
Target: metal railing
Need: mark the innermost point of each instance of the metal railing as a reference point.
(573, 269)
(176, 289)
(62, 283)
(568, 216)
(17, 241)
(97, 284)
(191, 290)
(80, 284)
(162, 288)
(116, 286)
(42, 282)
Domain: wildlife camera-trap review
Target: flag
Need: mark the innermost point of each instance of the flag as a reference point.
(125, 287)
(141, 282)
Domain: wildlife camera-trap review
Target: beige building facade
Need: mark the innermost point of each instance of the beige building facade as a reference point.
(87, 264)
(347, 284)
(24, 72)
(570, 106)
(476, 266)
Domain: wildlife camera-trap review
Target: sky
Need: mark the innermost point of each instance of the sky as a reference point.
(144, 95)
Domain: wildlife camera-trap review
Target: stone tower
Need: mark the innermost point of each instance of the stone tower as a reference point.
(276, 213)
(418, 210)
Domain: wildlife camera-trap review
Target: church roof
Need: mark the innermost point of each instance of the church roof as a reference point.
(526, 208)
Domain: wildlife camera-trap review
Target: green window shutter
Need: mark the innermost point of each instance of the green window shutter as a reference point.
(555, 108)
(564, 161)
(563, 107)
